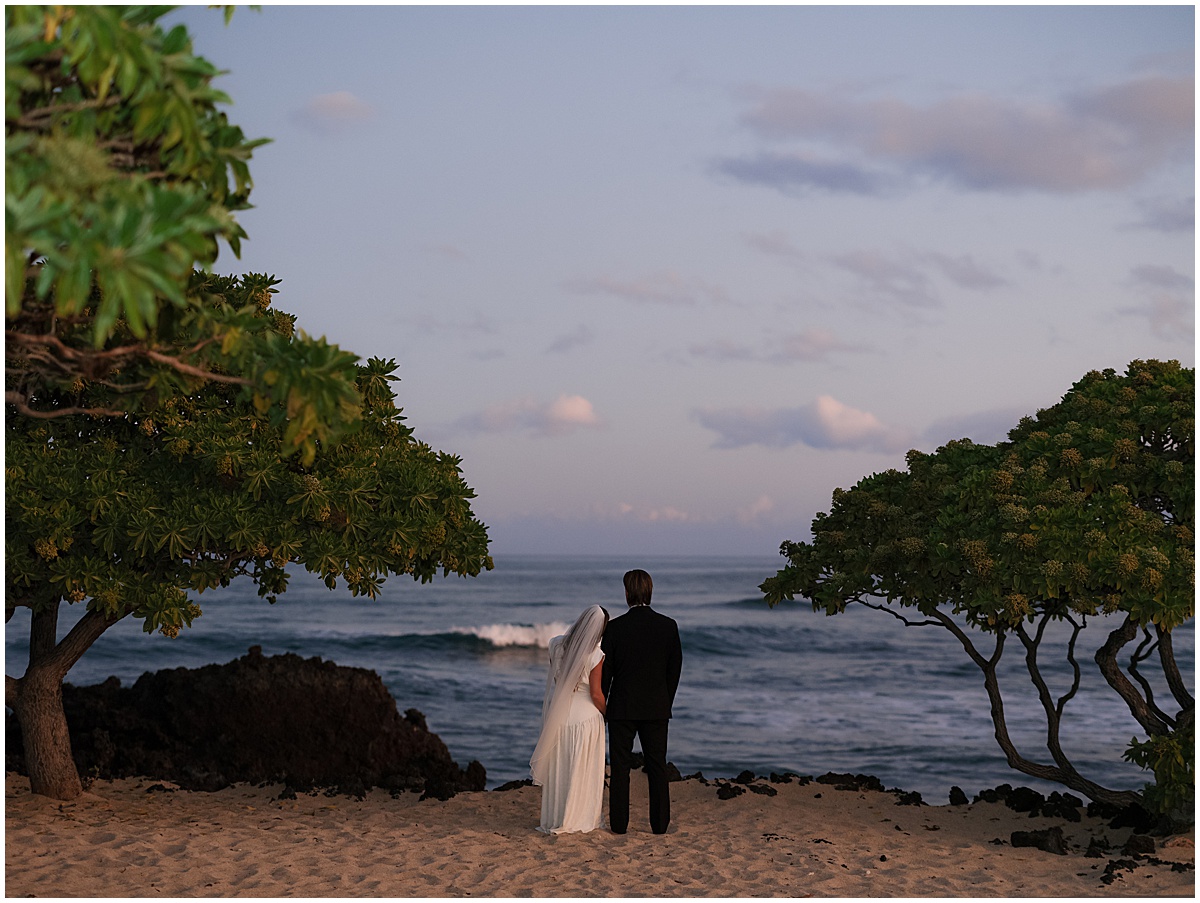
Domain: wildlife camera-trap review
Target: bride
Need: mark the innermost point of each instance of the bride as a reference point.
(568, 760)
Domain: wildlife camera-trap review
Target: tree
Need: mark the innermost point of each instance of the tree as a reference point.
(121, 177)
(133, 515)
(1086, 512)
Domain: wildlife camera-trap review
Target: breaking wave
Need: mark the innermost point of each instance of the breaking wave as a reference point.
(500, 635)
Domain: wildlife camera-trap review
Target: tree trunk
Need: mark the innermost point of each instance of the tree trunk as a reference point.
(1106, 658)
(1166, 654)
(36, 700)
(48, 760)
(1067, 776)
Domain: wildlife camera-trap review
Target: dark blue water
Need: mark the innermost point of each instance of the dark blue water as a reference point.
(782, 689)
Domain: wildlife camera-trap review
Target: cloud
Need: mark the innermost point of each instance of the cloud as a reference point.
(1104, 139)
(965, 272)
(1168, 215)
(776, 243)
(1153, 276)
(560, 417)
(905, 278)
(825, 424)
(1168, 301)
(756, 510)
(572, 340)
(806, 346)
(889, 278)
(664, 514)
(908, 279)
(659, 288)
(791, 173)
(1169, 317)
(981, 427)
(330, 114)
(668, 513)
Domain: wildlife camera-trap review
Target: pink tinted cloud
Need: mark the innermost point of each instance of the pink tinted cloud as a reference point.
(560, 417)
(1166, 299)
(1105, 138)
(808, 345)
(327, 114)
(825, 423)
(756, 510)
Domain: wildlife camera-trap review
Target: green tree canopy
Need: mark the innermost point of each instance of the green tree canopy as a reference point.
(1087, 510)
(135, 516)
(121, 176)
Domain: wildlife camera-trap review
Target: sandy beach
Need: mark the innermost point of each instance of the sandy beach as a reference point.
(142, 838)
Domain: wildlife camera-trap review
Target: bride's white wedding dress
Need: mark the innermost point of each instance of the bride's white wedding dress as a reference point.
(573, 789)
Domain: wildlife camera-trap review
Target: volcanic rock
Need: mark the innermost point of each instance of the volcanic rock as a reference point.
(788, 776)
(729, 791)
(1062, 805)
(303, 722)
(1050, 840)
(851, 781)
(1139, 845)
(1113, 870)
(1134, 816)
(1023, 799)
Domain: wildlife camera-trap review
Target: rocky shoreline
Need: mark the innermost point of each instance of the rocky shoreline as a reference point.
(306, 723)
(311, 782)
(315, 726)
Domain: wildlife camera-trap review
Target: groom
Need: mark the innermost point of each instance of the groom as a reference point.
(642, 661)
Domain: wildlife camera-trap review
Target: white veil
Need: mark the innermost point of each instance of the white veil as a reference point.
(569, 657)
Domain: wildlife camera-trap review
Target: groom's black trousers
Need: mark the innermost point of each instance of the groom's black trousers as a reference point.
(653, 735)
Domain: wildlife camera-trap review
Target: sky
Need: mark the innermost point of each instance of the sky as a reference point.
(665, 277)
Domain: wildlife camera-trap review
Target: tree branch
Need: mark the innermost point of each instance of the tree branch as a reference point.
(50, 351)
(1015, 760)
(1053, 711)
(85, 632)
(895, 614)
(43, 632)
(1106, 658)
(1166, 653)
(18, 400)
(1077, 674)
(30, 119)
(1147, 646)
(189, 370)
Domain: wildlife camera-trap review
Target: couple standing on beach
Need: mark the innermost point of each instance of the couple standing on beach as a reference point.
(626, 671)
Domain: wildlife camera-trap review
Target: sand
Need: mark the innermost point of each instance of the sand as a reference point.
(133, 838)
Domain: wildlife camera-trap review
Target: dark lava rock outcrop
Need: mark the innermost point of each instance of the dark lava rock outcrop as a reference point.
(851, 781)
(1051, 840)
(304, 722)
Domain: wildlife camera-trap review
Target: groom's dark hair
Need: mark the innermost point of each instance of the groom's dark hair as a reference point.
(638, 587)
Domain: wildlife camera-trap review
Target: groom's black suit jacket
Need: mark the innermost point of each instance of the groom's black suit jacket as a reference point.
(642, 661)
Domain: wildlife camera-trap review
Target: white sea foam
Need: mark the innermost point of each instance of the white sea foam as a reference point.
(536, 635)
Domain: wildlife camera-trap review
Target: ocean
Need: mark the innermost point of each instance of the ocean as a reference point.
(783, 689)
